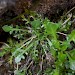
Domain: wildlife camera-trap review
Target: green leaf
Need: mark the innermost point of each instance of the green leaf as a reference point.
(49, 42)
(56, 43)
(72, 64)
(71, 37)
(71, 61)
(56, 72)
(61, 57)
(19, 72)
(36, 23)
(64, 45)
(2, 53)
(51, 27)
(72, 54)
(7, 28)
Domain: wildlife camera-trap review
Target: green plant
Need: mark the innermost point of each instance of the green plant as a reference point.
(43, 44)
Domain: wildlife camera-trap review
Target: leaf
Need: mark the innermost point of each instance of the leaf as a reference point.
(18, 58)
(19, 72)
(65, 45)
(71, 37)
(56, 72)
(2, 53)
(10, 59)
(36, 23)
(55, 43)
(7, 28)
(49, 42)
(71, 61)
(72, 64)
(50, 28)
(72, 54)
(61, 57)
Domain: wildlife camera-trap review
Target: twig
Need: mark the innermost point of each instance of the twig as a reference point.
(70, 15)
(62, 33)
(70, 10)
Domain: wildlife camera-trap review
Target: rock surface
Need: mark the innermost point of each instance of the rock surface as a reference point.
(51, 8)
(45, 7)
(6, 4)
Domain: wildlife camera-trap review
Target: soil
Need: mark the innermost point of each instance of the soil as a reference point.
(52, 9)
